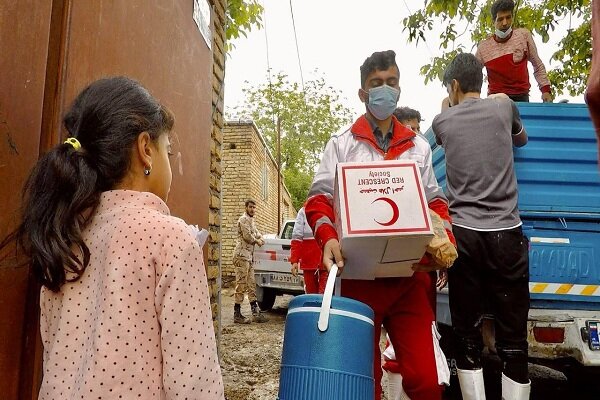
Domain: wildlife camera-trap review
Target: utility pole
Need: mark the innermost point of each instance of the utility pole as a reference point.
(278, 174)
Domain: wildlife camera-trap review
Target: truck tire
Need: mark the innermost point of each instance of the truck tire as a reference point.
(268, 299)
(583, 377)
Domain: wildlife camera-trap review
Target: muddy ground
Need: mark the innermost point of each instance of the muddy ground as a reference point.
(251, 354)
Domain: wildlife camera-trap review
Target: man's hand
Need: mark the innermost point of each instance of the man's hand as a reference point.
(498, 96)
(547, 97)
(445, 103)
(295, 269)
(442, 279)
(260, 242)
(432, 266)
(332, 254)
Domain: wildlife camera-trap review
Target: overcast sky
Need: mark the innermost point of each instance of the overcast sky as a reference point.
(334, 37)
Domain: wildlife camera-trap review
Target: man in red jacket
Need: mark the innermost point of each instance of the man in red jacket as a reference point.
(306, 254)
(401, 304)
(505, 55)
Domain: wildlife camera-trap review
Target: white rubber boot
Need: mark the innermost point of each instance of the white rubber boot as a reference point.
(471, 384)
(395, 389)
(512, 390)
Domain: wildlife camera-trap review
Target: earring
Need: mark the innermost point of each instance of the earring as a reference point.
(147, 170)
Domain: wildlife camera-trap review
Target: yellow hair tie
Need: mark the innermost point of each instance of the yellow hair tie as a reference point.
(73, 142)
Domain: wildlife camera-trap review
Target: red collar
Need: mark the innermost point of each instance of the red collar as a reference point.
(401, 137)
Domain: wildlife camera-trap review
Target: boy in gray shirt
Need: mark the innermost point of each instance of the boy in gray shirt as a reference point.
(492, 266)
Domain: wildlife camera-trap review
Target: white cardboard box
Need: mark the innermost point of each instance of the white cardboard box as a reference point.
(382, 218)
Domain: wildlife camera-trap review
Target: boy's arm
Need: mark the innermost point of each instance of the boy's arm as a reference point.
(297, 237)
(519, 135)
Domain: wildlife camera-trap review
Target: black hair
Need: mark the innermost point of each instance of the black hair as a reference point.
(406, 113)
(248, 202)
(467, 70)
(378, 61)
(502, 5)
(64, 187)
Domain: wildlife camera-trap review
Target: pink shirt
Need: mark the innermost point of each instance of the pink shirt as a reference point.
(138, 323)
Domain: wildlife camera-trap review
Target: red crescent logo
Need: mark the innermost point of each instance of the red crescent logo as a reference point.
(395, 210)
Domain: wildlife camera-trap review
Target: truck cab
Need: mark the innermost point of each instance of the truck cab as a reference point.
(272, 269)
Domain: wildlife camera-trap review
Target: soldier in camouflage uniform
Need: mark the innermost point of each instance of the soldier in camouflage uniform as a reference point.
(248, 236)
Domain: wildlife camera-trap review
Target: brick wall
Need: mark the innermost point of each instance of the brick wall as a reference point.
(249, 171)
(214, 222)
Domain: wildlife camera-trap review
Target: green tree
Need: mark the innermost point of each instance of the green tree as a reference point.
(308, 119)
(473, 18)
(242, 16)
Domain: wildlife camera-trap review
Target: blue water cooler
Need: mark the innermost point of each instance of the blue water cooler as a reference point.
(327, 348)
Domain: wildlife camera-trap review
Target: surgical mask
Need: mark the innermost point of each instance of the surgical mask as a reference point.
(503, 34)
(382, 101)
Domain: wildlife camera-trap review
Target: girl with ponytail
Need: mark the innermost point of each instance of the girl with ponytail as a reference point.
(125, 310)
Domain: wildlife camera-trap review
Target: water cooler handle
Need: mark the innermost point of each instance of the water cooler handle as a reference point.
(326, 304)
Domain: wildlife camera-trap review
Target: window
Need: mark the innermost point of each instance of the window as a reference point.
(287, 230)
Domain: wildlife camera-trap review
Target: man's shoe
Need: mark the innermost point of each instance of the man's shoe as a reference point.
(257, 316)
(238, 318)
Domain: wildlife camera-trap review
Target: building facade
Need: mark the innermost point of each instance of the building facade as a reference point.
(249, 171)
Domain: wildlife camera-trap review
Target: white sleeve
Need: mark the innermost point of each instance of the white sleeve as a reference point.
(298, 232)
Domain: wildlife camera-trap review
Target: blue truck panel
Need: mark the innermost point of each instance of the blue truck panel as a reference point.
(559, 202)
(557, 170)
(564, 262)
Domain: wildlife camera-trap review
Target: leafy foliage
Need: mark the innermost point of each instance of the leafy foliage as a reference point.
(242, 16)
(308, 119)
(539, 16)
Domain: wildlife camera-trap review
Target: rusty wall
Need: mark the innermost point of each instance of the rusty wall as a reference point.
(24, 31)
(157, 43)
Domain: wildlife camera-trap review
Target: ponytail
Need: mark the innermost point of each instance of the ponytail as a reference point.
(64, 188)
(58, 198)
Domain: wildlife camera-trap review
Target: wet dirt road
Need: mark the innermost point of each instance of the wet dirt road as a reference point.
(251, 354)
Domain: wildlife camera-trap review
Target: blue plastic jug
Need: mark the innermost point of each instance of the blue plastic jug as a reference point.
(327, 348)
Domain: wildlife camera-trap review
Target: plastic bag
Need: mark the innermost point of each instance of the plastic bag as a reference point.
(441, 248)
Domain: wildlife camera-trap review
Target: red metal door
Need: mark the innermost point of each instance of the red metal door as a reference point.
(24, 40)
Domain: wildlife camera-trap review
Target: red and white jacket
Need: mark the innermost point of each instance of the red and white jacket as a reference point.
(305, 250)
(359, 144)
(506, 63)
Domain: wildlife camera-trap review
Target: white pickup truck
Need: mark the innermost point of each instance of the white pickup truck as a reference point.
(272, 269)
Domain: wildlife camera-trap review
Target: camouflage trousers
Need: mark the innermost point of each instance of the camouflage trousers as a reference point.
(244, 280)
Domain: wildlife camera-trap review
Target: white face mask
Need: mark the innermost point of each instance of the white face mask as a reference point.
(503, 34)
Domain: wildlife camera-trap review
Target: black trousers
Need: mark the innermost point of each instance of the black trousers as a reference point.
(491, 276)
(524, 97)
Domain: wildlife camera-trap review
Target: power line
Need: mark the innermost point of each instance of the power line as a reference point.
(269, 65)
(297, 49)
(424, 41)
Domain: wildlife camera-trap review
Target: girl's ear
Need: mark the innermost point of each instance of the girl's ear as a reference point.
(144, 149)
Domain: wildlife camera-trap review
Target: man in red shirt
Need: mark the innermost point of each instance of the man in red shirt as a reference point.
(505, 55)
